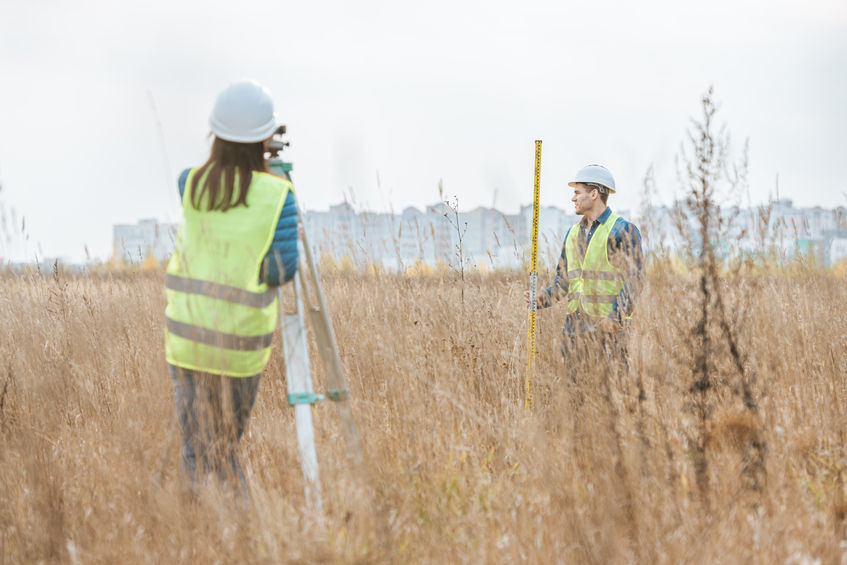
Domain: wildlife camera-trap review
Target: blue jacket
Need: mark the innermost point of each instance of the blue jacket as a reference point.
(280, 264)
(624, 249)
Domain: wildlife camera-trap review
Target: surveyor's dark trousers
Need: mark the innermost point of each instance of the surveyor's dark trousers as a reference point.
(212, 412)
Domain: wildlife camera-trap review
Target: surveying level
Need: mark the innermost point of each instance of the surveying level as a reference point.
(275, 146)
(276, 143)
(309, 297)
(533, 281)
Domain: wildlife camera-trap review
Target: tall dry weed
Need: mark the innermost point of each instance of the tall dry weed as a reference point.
(718, 361)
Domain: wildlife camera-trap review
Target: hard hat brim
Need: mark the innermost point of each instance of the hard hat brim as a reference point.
(260, 133)
(573, 184)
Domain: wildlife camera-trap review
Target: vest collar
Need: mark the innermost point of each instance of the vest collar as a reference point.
(600, 220)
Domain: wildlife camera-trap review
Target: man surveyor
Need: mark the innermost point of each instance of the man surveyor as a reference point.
(599, 274)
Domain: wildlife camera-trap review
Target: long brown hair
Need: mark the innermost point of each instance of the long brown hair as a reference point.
(227, 160)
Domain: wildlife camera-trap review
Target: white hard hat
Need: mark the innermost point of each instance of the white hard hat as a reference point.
(244, 113)
(597, 174)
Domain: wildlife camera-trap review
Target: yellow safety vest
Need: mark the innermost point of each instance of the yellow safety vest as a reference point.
(593, 283)
(220, 319)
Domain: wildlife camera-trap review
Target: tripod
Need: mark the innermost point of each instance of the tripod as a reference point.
(309, 298)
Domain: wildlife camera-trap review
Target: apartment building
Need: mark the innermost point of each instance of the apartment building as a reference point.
(133, 243)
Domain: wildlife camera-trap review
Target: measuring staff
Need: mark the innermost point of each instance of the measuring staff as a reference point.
(533, 281)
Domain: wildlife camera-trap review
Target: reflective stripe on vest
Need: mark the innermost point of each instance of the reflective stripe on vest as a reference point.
(594, 284)
(220, 319)
(220, 291)
(598, 275)
(218, 339)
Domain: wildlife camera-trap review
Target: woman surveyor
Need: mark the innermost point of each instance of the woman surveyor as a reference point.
(236, 244)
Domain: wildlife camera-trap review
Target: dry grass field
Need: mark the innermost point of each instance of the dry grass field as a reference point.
(646, 469)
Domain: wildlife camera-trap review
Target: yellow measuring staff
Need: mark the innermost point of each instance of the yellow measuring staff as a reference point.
(533, 280)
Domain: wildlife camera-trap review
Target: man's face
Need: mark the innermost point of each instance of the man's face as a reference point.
(582, 198)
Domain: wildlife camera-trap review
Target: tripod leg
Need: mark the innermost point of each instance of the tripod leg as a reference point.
(301, 395)
(328, 349)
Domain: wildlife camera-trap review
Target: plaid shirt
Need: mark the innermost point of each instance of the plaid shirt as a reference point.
(624, 250)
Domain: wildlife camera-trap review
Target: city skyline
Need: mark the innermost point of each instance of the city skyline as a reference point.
(490, 237)
(553, 221)
(19, 245)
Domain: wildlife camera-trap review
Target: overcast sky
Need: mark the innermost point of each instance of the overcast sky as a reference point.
(407, 93)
